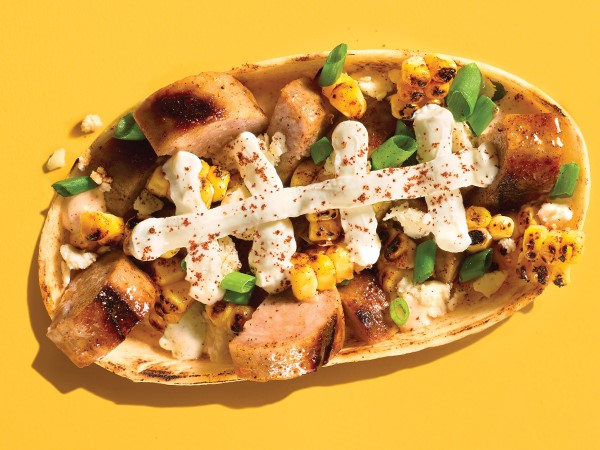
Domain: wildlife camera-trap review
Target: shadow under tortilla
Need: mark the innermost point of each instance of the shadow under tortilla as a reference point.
(55, 367)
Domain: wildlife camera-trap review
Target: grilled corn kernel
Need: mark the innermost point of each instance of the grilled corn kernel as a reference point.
(381, 209)
(102, 228)
(477, 217)
(480, 240)
(173, 302)
(228, 315)
(415, 71)
(401, 109)
(166, 271)
(207, 192)
(572, 248)
(345, 96)
(561, 275)
(501, 227)
(219, 178)
(306, 173)
(400, 250)
(325, 231)
(441, 68)
(304, 281)
(410, 94)
(204, 169)
(389, 276)
(325, 271)
(170, 253)
(300, 259)
(328, 214)
(344, 268)
(526, 218)
(437, 91)
(158, 184)
(533, 240)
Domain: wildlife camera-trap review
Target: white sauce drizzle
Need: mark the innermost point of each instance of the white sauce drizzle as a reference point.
(273, 243)
(350, 142)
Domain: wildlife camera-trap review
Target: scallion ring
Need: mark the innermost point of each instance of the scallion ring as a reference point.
(239, 298)
(127, 129)
(332, 69)
(183, 265)
(403, 130)
(238, 282)
(483, 113)
(464, 91)
(500, 92)
(475, 265)
(74, 186)
(321, 150)
(393, 152)
(566, 181)
(344, 283)
(399, 311)
(424, 261)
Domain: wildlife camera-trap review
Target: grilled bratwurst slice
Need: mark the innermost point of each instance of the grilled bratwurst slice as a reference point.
(366, 309)
(199, 114)
(286, 338)
(301, 115)
(100, 307)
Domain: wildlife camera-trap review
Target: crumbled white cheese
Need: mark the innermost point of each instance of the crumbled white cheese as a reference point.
(272, 148)
(147, 203)
(376, 86)
(508, 244)
(56, 160)
(425, 301)
(75, 258)
(185, 338)
(554, 215)
(490, 282)
(84, 160)
(91, 123)
(416, 224)
(101, 178)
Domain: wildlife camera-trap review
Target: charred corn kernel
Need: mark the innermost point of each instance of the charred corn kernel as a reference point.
(480, 240)
(328, 214)
(526, 218)
(219, 178)
(207, 192)
(572, 248)
(410, 94)
(304, 281)
(345, 96)
(305, 174)
(400, 250)
(389, 276)
(344, 268)
(173, 302)
(102, 228)
(441, 68)
(437, 90)
(477, 217)
(228, 315)
(415, 71)
(561, 275)
(166, 271)
(158, 184)
(170, 253)
(325, 231)
(401, 109)
(381, 209)
(325, 271)
(204, 169)
(501, 227)
(533, 240)
(300, 259)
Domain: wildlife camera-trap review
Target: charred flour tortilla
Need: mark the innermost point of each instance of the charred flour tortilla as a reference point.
(140, 358)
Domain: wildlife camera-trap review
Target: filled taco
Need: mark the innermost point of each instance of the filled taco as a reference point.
(311, 210)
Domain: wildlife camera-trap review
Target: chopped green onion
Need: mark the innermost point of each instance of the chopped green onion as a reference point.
(566, 181)
(74, 186)
(344, 283)
(238, 282)
(499, 93)
(183, 265)
(127, 129)
(321, 150)
(403, 130)
(332, 69)
(482, 115)
(393, 152)
(239, 298)
(464, 91)
(424, 261)
(475, 265)
(399, 311)
(412, 161)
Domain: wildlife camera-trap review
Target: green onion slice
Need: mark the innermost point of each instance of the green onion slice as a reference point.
(403, 130)
(500, 92)
(238, 282)
(74, 186)
(399, 311)
(127, 129)
(424, 261)
(239, 298)
(483, 113)
(183, 265)
(393, 152)
(321, 150)
(344, 283)
(332, 69)
(475, 265)
(464, 91)
(566, 181)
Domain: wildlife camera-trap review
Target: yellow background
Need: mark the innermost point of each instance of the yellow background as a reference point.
(531, 382)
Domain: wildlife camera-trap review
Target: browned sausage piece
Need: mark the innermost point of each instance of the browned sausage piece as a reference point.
(100, 307)
(366, 309)
(286, 338)
(302, 116)
(530, 149)
(378, 121)
(199, 114)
